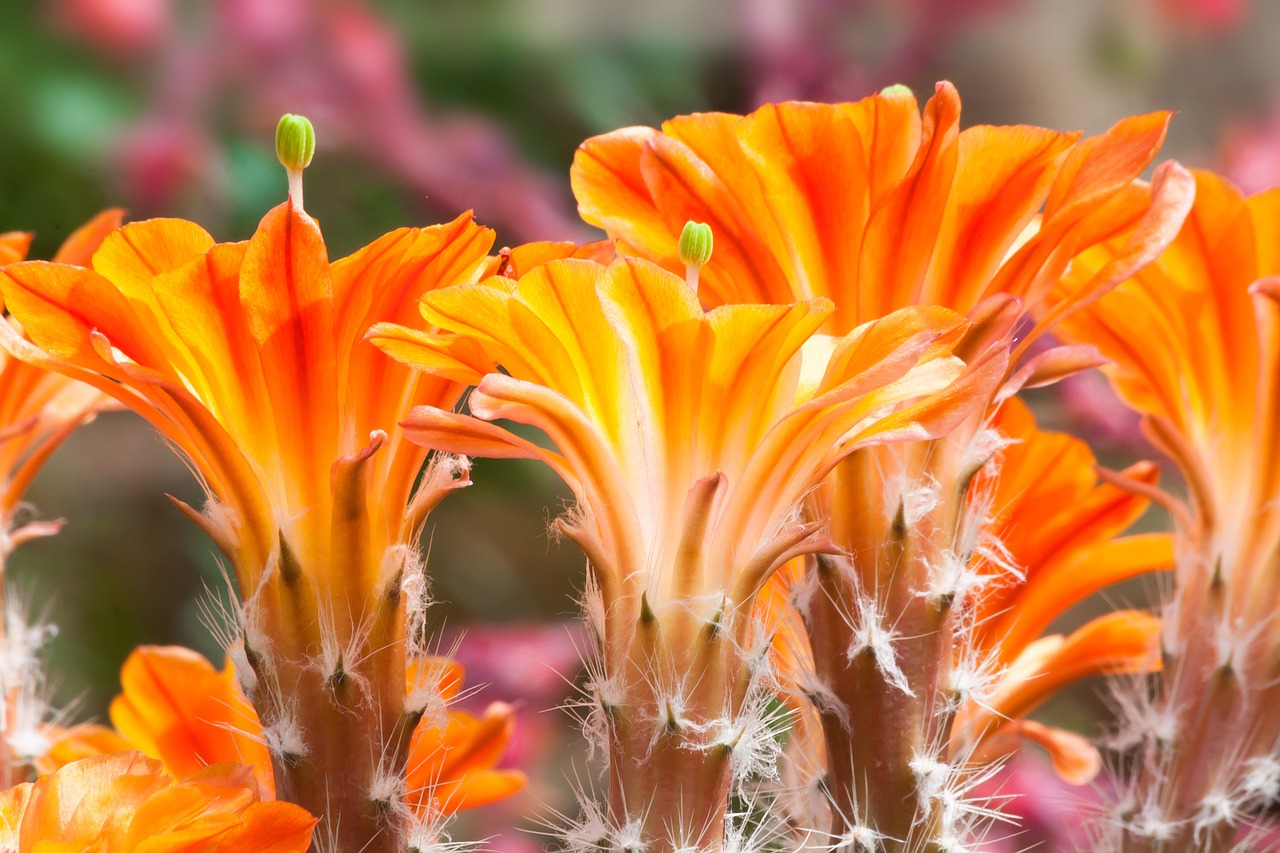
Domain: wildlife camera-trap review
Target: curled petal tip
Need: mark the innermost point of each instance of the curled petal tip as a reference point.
(1268, 287)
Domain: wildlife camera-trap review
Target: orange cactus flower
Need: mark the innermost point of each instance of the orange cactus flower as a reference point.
(175, 707)
(124, 802)
(249, 358)
(1194, 345)
(689, 439)
(1058, 529)
(876, 207)
(39, 409)
(879, 206)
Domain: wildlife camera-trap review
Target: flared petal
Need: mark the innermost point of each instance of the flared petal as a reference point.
(78, 249)
(875, 205)
(176, 707)
(454, 768)
(1123, 642)
(1075, 758)
(124, 802)
(1055, 525)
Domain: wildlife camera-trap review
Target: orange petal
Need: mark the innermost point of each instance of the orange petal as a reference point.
(14, 803)
(607, 181)
(79, 248)
(44, 293)
(1100, 164)
(514, 263)
(176, 707)
(287, 290)
(124, 802)
(1056, 588)
(72, 744)
(813, 168)
(1002, 178)
(901, 234)
(445, 764)
(135, 254)
(478, 788)
(1125, 641)
(14, 246)
(445, 674)
(1075, 759)
(744, 266)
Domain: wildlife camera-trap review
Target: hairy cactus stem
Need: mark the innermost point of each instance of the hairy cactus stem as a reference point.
(884, 640)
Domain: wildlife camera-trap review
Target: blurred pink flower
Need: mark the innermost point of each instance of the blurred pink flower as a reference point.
(796, 51)
(263, 28)
(120, 27)
(1097, 414)
(1048, 814)
(1214, 15)
(339, 63)
(1250, 153)
(159, 157)
(535, 662)
(535, 666)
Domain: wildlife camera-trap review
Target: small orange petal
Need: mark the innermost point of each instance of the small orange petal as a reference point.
(1075, 759)
(1125, 641)
(176, 707)
(478, 788)
(14, 246)
(79, 248)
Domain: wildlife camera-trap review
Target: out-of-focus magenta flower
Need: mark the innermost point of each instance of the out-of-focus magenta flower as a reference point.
(539, 663)
(263, 28)
(1250, 154)
(535, 660)
(340, 63)
(1050, 814)
(795, 51)
(120, 27)
(1096, 412)
(1214, 15)
(161, 156)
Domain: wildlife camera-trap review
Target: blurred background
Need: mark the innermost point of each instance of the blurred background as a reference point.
(167, 107)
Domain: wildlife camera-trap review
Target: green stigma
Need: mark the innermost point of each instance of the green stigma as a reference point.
(295, 142)
(696, 243)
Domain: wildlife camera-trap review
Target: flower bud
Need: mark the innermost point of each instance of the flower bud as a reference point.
(897, 89)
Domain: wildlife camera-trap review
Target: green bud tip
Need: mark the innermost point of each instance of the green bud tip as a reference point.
(896, 89)
(295, 142)
(696, 243)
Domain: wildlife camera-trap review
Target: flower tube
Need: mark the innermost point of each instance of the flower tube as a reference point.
(690, 439)
(249, 358)
(879, 207)
(1195, 348)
